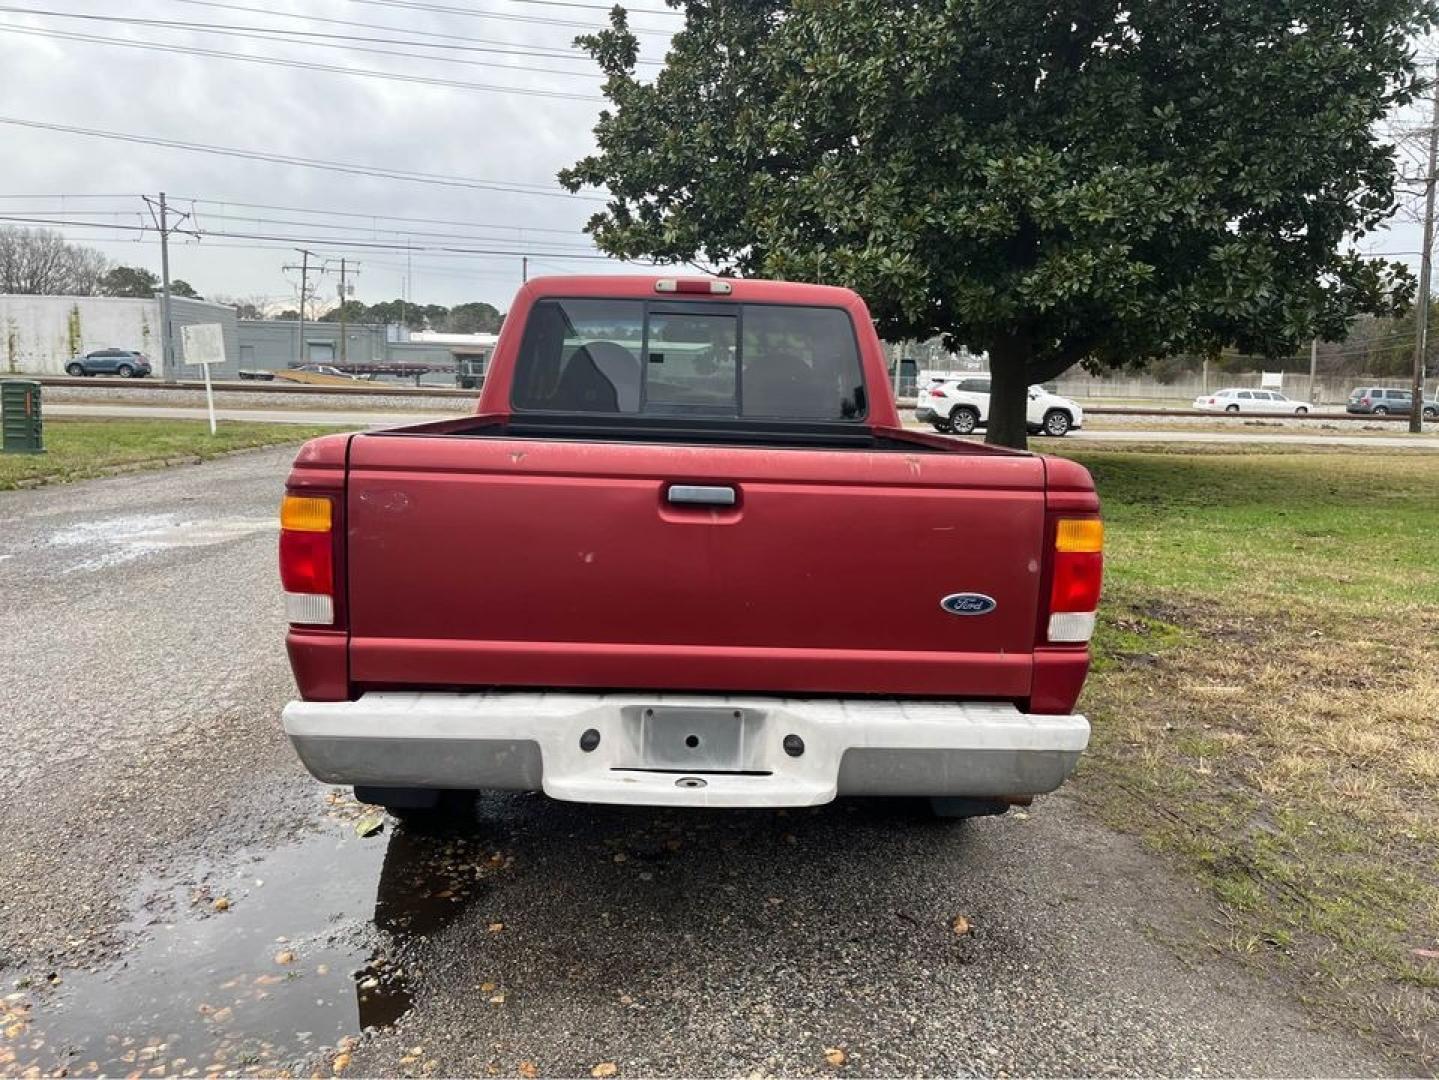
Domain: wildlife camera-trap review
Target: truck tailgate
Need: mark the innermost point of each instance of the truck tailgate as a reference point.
(541, 563)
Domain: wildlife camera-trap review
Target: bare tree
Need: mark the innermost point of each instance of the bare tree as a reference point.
(42, 262)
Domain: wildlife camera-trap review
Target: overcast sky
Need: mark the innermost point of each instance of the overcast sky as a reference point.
(511, 138)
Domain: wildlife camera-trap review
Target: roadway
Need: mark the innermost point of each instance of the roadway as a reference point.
(364, 419)
(178, 895)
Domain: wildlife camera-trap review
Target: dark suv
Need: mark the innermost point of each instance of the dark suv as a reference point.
(125, 363)
(1386, 401)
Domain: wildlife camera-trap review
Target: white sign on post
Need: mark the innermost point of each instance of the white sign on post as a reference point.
(1271, 380)
(204, 344)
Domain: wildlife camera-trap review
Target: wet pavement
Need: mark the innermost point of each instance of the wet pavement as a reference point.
(178, 898)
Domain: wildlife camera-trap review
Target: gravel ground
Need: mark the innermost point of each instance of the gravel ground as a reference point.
(140, 750)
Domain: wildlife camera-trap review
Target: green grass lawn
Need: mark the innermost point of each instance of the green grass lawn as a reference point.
(1265, 706)
(76, 449)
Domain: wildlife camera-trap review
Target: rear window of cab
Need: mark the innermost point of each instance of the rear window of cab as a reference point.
(681, 358)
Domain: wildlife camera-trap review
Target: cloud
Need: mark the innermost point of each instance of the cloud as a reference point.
(486, 135)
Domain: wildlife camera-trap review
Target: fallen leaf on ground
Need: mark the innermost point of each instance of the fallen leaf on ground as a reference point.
(487, 987)
(497, 999)
(369, 825)
(496, 927)
(285, 957)
(960, 926)
(605, 1069)
(835, 1056)
(221, 904)
(529, 1070)
(342, 1062)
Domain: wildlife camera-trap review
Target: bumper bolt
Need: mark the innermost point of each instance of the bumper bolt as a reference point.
(589, 740)
(793, 745)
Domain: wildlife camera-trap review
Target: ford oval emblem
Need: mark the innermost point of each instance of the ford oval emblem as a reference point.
(968, 603)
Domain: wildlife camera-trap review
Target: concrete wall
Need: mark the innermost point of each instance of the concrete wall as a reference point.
(1326, 389)
(40, 334)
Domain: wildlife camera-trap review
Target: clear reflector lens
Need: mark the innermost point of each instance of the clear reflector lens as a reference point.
(312, 609)
(1071, 626)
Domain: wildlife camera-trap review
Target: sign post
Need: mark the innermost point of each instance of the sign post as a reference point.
(204, 344)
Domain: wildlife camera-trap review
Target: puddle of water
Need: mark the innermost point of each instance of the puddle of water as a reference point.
(116, 540)
(311, 949)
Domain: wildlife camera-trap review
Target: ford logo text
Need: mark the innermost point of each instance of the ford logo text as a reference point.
(968, 603)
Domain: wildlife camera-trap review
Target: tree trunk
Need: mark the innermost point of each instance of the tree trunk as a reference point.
(1008, 392)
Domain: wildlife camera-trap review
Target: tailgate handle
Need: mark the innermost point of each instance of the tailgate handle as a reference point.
(702, 495)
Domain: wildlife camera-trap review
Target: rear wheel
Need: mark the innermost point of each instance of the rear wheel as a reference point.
(1056, 423)
(1302, 410)
(1381, 410)
(419, 807)
(955, 808)
(75, 370)
(1431, 414)
(964, 419)
(1231, 408)
(125, 371)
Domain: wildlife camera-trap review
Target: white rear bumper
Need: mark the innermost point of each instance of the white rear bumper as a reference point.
(685, 750)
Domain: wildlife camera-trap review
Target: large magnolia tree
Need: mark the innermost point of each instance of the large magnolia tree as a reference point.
(1052, 182)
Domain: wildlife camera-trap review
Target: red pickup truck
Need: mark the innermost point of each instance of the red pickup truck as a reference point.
(684, 553)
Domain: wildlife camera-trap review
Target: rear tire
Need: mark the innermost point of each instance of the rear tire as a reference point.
(420, 807)
(1381, 410)
(964, 419)
(1057, 423)
(125, 371)
(1231, 408)
(957, 807)
(76, 371)
(1303, 410)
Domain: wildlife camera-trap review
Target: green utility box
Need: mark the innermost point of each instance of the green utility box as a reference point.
(21, 428)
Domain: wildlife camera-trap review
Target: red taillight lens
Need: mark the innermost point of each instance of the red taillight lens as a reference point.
(936, 393)
(307, 559)
(1078, 576)
(306, 562)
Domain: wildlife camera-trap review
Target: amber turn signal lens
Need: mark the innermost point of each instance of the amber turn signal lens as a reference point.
(1079, 534)
(305, 513)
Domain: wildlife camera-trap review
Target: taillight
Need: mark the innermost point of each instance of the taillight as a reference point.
(1364, 400)
(1078, 575)
(307, 559)
(936, 393)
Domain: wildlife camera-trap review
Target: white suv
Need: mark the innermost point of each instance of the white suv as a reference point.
(961, 405)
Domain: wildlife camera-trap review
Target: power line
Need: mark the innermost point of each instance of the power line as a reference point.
(359, 214)
(447, 41)
(303, 65)
(442, 9)
(259, 33)
(344, 242)
(307, 163)
(606, 8)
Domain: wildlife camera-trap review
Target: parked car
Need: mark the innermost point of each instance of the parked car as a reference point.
(679, 584)
(1236, 400)
(125, 363)
(1386, 400)
(961, 405)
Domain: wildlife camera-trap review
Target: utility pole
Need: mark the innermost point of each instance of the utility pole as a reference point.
(1313, 369)
(160, 213)
(1421, 308)
(304, 269)
(524, 268)
(344, 299)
